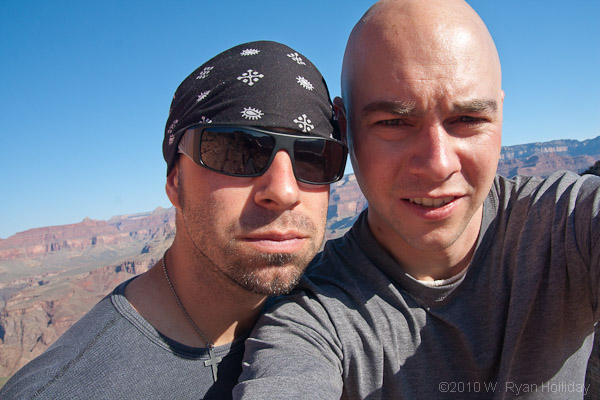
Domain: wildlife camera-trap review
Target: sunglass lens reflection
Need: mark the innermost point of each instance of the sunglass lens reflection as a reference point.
(236, 152)
(247, 153)
(317, 160)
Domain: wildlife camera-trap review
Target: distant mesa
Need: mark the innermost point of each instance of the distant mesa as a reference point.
(543, 158)
(118, 231)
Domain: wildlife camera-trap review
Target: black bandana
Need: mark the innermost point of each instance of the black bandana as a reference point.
(261, 84)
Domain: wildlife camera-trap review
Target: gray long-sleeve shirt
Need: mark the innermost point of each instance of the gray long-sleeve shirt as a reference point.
(114, 353)
(518, 323)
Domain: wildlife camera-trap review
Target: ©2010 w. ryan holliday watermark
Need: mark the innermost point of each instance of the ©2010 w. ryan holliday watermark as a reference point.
(513, 388)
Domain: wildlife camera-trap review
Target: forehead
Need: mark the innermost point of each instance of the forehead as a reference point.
(452, 61)
(428, 58)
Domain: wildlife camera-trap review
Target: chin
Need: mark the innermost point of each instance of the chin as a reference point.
(269, 279)
(267, 274)
(275, 284)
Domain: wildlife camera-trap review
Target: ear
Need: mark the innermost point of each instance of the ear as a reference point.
(340, 113)
(172, 186)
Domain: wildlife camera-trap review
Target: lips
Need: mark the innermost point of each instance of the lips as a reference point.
(277, 237)
(276, 242)
(431, 202)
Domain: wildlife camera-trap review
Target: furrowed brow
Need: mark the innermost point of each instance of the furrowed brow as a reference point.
(400, 108)
(475, 106)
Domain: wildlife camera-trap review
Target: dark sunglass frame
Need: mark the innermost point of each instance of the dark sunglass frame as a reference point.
(191, 142)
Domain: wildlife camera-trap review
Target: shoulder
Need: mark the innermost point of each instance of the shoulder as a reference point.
(68, 352)
(565, 207)
(341, 279)
(325, 274)
(560, 188)
(560, 181)
(334, 267)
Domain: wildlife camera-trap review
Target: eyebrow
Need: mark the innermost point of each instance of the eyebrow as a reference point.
(475, 106)
(409, 108)
(400, 108)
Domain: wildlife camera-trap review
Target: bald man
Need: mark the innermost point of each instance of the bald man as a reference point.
(455, 282)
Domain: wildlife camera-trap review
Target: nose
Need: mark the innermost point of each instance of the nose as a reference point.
(277, 188)
(435, 155)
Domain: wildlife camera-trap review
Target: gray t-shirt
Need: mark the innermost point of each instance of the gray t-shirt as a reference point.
(113, 352)
(520, 322)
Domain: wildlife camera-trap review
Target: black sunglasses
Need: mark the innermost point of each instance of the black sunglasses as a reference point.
(247, 152)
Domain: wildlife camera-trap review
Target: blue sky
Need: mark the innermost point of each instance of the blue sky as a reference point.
(85, 86)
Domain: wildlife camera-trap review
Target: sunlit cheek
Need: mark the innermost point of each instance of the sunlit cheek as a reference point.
(320, 204)
(229, 206)
(368, 154)
(478, 166)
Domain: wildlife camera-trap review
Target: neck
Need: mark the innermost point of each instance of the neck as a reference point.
(209, 296)
(431, 264)
(435, 267)
(220, 309)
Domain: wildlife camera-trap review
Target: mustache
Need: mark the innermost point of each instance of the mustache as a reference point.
(250, 221)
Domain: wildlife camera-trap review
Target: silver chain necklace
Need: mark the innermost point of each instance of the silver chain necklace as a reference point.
(214, 360)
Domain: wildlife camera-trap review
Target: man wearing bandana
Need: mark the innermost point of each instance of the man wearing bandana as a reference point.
(251, 147)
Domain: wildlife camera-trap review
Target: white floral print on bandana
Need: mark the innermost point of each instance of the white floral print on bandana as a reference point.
(304, 83)
(252, 113)
(204, 73)
(297, 58)
(202, 96)
(304, 123)
(250, 77)
(249, 52)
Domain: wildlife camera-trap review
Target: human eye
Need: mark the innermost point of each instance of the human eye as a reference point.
(391, 122)
(467, 125)
(467, 119)
(470, 122)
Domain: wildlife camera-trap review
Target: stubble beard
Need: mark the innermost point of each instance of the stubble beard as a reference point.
(267, 274)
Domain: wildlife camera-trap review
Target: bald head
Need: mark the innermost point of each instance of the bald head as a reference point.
(431, 35)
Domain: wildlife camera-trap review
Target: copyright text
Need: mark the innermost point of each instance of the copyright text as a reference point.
(513, 388)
